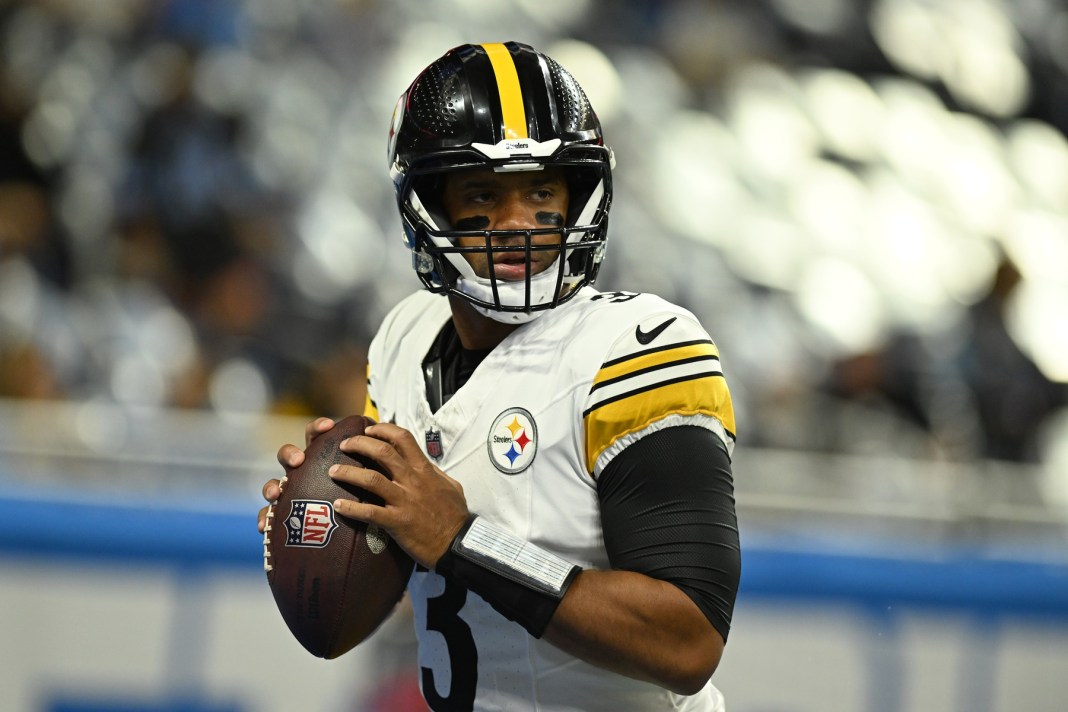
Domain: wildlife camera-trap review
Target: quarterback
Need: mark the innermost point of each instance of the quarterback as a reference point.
(560, 457)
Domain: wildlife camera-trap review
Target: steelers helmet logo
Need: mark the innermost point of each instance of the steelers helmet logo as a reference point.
(513, 441)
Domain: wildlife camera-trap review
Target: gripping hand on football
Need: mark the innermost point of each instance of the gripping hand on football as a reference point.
(290, 457)
(422, 508)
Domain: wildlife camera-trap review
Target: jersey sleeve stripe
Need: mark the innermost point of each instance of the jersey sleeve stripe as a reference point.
(650, 387)
(713, 363)
(671, 421)
(702, 392)
(607, 365)
(645, 360)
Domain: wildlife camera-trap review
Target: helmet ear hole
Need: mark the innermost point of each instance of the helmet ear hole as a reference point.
(430, 190)
(580, 186)
(575, 262)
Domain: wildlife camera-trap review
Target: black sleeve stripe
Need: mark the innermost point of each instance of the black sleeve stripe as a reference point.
(652, 387)
(655, 367)
(646, 352)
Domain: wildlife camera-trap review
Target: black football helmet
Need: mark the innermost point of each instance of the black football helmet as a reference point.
(510, 108)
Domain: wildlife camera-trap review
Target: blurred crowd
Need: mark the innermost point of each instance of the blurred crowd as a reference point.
(195, 210)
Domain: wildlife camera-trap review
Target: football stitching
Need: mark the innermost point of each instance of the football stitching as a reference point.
(267, 528)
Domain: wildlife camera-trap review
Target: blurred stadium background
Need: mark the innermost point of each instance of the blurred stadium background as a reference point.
(865, 201)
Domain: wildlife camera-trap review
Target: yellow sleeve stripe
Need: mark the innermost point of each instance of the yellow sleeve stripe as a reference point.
(645, 361)
(370, 408)
(512, 111)
(699, 393)
(644, 387)
(678, 383)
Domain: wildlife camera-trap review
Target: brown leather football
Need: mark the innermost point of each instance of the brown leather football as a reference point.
(335, 580)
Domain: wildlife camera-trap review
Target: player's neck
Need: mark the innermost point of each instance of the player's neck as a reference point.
(477, 332)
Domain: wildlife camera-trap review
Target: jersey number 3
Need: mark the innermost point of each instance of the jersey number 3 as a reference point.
(443, 616)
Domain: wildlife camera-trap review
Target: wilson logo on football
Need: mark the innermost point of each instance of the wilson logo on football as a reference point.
(310, 523)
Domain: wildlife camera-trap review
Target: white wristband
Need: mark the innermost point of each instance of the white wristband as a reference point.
(502, 552)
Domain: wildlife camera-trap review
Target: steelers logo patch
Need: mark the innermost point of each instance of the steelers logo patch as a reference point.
(513, 441)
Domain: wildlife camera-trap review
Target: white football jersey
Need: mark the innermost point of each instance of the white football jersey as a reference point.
(527, 436)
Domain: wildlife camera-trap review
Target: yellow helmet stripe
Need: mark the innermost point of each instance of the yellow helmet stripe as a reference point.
(515, 117)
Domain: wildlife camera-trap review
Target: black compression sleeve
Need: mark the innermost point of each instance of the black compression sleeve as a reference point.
(667, 510)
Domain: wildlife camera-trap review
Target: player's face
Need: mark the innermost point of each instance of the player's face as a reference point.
(484, 200)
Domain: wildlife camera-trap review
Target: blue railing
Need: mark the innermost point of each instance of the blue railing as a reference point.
(222, 533)
(879, 578)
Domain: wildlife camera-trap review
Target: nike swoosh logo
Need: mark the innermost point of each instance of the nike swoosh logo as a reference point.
(644, 337)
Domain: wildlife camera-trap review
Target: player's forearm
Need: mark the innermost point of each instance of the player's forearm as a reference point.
(639, 627)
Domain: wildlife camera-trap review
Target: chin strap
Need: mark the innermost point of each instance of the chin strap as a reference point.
(509, 317)
(512, 294)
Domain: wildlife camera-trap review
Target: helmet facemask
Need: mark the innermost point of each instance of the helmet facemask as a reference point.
(442, 262)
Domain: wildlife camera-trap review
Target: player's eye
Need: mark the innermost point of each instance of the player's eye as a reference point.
(480, 198)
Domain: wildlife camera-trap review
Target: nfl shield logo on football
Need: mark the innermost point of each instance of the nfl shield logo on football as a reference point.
(433, 444)
(310, 523)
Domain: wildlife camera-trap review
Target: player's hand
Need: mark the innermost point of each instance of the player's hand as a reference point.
(422, 508)
(289, 457)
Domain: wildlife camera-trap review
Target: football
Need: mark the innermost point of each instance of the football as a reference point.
(335, 580)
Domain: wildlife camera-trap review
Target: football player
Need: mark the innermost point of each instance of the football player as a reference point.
(560, 457)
